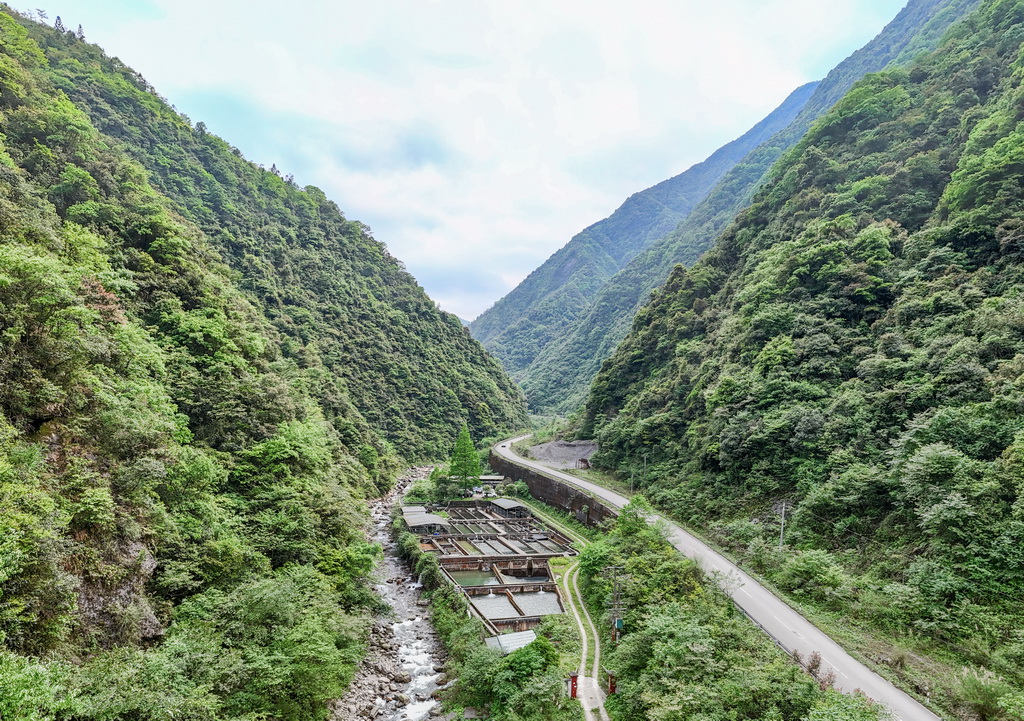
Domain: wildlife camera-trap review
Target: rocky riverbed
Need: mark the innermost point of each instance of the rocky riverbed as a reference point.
(404, 668)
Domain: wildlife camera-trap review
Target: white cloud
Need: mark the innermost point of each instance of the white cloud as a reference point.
(475, 132)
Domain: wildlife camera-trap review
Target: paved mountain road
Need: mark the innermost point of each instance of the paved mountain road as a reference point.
(791, 630)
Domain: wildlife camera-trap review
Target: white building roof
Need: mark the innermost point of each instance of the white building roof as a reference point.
(509, 642)
(425, 519)
(507, 503)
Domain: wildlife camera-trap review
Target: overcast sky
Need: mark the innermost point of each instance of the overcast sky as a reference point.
(476, 137)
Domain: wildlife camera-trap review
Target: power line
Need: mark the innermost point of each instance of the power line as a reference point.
(616, 606)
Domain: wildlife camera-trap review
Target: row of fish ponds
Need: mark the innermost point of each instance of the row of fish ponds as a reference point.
(475, 546)
(506, 600)
(502, 568)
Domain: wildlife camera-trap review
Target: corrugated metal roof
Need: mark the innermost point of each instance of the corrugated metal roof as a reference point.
(423, 519)
(509, 642)
(507, 503)
(406, 510)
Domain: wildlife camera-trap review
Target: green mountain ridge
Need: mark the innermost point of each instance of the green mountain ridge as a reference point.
(325, 284)
(204, 370)
(540, 309)
(558, 378)
(852, 346)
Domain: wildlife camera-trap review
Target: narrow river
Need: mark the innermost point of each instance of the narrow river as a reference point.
(403, 668)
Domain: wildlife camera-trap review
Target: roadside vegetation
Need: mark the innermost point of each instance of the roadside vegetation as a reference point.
(850, 349)
(686, 651)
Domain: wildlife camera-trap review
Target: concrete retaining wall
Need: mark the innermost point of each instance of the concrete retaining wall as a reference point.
(554, 492)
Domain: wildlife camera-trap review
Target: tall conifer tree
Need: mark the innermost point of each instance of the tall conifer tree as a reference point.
(465, 463)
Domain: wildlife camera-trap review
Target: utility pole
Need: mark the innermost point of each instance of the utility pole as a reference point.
(782, 528)
(617, 608)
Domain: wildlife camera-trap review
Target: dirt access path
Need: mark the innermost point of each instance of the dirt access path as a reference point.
(589, 692)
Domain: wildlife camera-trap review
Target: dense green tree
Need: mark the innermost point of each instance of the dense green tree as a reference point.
(465, 461)
(332, 301)
(685, 651)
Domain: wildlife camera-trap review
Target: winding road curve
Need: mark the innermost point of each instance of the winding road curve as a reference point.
(788, 628)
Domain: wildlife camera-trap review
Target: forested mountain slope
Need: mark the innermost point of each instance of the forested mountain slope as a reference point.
(203, 369)
(558, 378)
(335, 295)
(854, 345)
(540, 309)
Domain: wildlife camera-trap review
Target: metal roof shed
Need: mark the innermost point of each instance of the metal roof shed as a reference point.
(509, 508)
(507, 503)
(427, 521)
